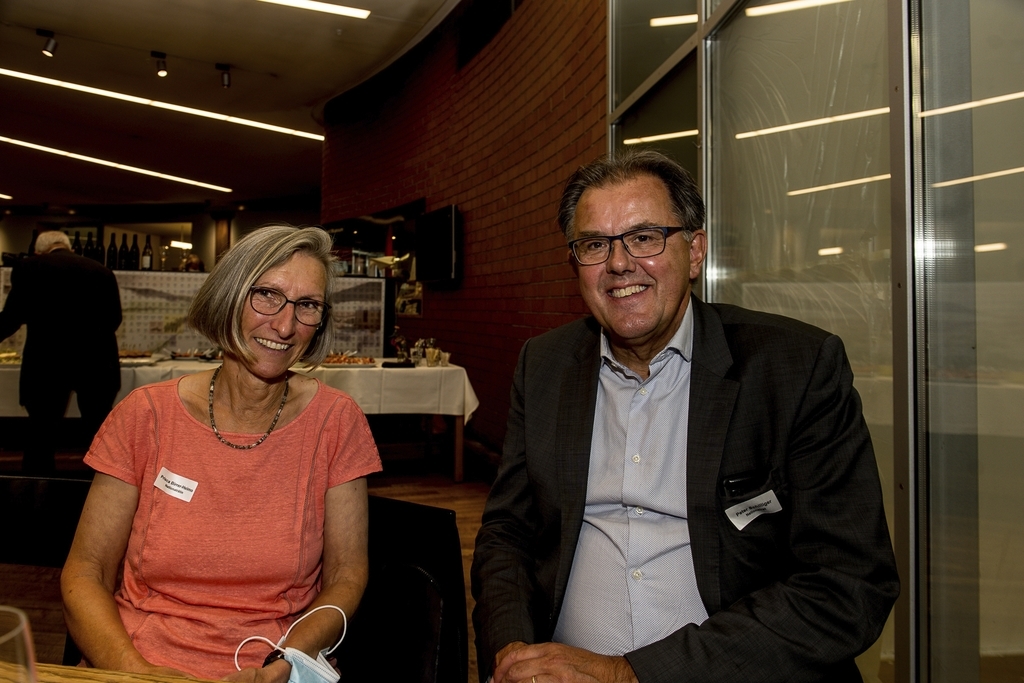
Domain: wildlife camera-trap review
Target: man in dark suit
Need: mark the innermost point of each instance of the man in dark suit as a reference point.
(72, 309)
(688, 492)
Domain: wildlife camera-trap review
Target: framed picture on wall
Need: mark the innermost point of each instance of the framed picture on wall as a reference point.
(409, 302)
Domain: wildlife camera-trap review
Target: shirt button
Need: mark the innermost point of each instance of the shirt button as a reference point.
(639, 511)
(643, 391)
(637, 574)
(636, 458)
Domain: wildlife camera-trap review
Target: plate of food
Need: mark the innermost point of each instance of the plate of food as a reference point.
(345, 360)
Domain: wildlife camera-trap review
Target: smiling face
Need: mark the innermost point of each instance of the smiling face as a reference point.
(640, 302)
(278, 341)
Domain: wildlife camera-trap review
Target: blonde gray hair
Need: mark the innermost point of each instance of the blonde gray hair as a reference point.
(49, 240)
(216, 309)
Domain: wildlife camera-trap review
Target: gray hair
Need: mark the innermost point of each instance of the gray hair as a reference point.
(216, 309)
(48, 240)
(687, 205)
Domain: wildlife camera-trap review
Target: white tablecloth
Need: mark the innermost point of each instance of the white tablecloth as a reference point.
(420, 390)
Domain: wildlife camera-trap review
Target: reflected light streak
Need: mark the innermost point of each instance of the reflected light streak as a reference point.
(814, 122)
(788, 7)
(663, 136)
(112, 164)
(833, 186)
(830, 251)
(994, 246)
(983, 176)
(160, 105)
(972, 105)
(323, 7)
(674, 21)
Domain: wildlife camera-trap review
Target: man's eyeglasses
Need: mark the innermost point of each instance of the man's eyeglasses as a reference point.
(639, 243)
(267, 301)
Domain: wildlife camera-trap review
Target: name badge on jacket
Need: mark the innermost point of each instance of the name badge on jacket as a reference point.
(746, 512)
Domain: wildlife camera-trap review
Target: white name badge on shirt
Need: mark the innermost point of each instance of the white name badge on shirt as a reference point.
(746, 512)
(175, 485)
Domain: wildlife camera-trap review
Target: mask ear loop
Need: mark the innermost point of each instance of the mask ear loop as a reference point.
(278, 645)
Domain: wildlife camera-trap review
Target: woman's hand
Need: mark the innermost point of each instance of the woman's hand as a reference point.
(275, 672)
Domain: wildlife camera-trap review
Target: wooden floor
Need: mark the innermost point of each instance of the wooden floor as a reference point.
(36, 590)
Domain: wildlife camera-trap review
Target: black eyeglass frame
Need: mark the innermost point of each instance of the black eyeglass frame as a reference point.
(295, 311)
(665, 232)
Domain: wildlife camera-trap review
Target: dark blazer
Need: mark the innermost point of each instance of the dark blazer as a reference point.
(72, 308)
(795, 595)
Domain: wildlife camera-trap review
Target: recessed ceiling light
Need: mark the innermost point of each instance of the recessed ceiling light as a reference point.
(972, 105)
(994, 246)
(323, 7)
(788, 7)
(663, 136)
(674, 21)
(982, 176)
(835, 186)
(814, 122)
(112, 164)
(161, 105)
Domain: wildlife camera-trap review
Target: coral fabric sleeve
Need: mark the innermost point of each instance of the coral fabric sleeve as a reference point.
(242, 557)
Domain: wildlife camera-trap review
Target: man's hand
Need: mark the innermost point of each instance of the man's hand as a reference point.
(556, 663)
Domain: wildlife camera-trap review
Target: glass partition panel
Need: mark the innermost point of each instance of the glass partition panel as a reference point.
(666, 117)
(970, 257)
(799, 195)
(645, 34)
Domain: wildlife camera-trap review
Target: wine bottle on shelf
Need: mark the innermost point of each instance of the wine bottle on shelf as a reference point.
(147, 255)
(76, 246)
(112, 252)
(123, 254)
(90, 249)
(133, 254)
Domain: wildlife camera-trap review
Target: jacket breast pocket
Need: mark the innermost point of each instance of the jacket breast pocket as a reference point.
(754, 521)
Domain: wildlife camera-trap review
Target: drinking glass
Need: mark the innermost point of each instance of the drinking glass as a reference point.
(17, 656)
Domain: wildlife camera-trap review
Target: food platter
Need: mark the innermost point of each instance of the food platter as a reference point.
(344, 360)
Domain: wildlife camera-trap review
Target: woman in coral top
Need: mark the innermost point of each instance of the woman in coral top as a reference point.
(234, 499)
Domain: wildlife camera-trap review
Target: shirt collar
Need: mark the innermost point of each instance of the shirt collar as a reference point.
(681, 342)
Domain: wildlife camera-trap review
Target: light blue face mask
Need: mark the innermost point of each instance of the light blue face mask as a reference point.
(305, 669)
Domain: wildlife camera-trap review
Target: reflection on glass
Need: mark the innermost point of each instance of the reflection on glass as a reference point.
(799, 211)
(971, 254)
(646, 33)
(666, 117)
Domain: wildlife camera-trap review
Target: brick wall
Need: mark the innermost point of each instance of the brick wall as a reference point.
(498, 138)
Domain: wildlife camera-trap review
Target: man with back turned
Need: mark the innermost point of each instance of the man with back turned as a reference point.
(72, 309)
(688, 491)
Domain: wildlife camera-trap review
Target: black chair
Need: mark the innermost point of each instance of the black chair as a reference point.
(40, 517)
(411, 623)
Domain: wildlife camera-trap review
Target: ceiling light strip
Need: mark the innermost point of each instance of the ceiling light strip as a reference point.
(814, 122)
(663, 136)
(6, 196)
(983, 176)
(112, 164)
(834, 186)
(788, 7)
(994, 246)
(678, 20)
(160, 105)
(323, 7)
(972, 105)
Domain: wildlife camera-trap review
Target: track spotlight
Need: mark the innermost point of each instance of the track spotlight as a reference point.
(161, 63)
(51, 43)
(225, 74)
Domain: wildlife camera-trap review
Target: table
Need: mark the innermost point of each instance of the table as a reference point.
(377, 390)
(55, 673)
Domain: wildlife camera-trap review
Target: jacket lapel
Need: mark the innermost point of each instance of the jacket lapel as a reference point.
(576, 405)
(712, 399)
